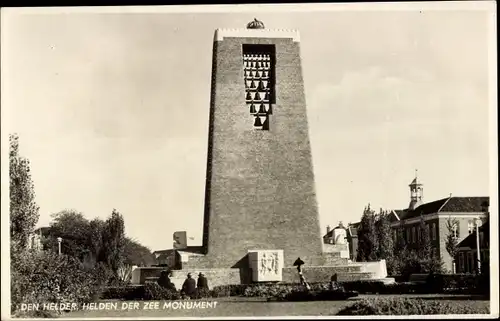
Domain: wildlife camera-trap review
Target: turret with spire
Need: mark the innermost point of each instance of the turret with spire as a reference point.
(416, 193)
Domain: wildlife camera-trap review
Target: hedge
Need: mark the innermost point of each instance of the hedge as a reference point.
(459, 284)
(406, 306)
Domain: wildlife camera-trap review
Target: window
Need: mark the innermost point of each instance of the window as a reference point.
(470, 227)
(433, 231)
(461, 263)
(413, 234)
(455, 230)
(408, 239)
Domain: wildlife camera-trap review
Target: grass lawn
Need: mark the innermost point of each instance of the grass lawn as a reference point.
(248, 307)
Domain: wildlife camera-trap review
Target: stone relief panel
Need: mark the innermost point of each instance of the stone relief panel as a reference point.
(266, 265)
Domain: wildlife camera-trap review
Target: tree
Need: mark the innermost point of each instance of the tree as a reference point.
(424, 250)
(367, 236)
(384, 235)
(400, 250)
(137, 254)
(74, 229)
(385, 240)
(451, 239)
(95, 241)
(134, 254)
(428, 260)
(23, 208)
(114, 242)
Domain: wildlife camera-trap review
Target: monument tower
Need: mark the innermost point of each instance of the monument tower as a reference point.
(260, 189)
(261, 212)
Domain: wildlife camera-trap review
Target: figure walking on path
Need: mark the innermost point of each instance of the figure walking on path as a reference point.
(303, 281)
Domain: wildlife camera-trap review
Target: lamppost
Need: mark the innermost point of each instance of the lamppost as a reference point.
(59, 240)
(478, 248)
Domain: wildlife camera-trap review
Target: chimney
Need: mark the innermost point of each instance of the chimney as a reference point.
(328, 229)
(341, 225)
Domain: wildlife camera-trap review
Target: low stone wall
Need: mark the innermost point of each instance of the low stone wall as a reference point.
(140, 274)
(379, 268)
(324, 273)
(334, 259)
(218, 277)
(226, 276)
(215, 277)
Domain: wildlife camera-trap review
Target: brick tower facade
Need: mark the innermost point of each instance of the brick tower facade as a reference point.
(260, 189)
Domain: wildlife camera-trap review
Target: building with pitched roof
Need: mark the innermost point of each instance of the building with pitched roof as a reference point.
(462, 211)
(351, 238)
(467, 250)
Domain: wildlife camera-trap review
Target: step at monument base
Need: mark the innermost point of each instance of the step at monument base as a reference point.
(232, 276)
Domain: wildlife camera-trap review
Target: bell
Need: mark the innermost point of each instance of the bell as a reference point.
(257, 96)
(265, 124)
(261, 86)
(252, 109)
(262, 109)
(253, 85)
(269, 109)
(257, 122)
(249, 96)
(266, 96)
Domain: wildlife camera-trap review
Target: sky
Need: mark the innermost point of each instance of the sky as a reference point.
(112, 108)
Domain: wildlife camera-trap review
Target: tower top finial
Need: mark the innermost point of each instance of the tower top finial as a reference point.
(415, 182)
(255, 24)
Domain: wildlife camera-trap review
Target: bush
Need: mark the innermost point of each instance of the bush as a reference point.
(122, 293)
(153, 291)
(46, 277)
(379, 287)
(227, 290)
(464, 283)
(320, 295)
(405, 306)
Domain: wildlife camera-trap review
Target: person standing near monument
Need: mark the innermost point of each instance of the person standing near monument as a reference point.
(165, 282)
(202, 285)
(189, 287)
